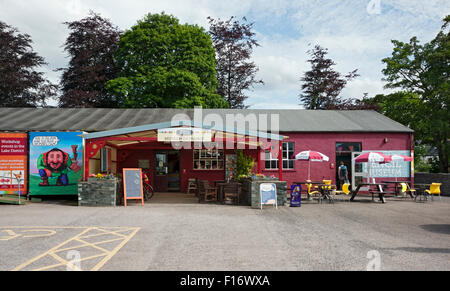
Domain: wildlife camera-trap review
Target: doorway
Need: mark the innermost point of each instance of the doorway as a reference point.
(167, 171)
(344, 153)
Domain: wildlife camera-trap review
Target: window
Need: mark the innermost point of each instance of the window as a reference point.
(288, 158)
(208, 159)
(105, 159)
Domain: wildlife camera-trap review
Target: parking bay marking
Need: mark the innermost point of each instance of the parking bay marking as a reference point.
(114, 234)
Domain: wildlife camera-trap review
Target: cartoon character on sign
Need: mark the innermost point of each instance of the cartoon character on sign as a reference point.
(56, 163)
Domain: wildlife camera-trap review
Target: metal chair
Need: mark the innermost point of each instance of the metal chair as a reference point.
(435, 189)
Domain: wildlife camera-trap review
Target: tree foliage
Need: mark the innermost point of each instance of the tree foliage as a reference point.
(91, 46)
(165, 64)
(424, 70)
(21, 85)
(234, 43)
(322, 84)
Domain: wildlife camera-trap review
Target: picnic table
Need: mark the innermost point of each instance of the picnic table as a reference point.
(397, 188)
(374, 188)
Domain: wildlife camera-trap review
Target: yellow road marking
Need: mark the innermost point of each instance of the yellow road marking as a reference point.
(81, 238)
(11, 234)
(49, 251)
(50, 232)
(111, 254)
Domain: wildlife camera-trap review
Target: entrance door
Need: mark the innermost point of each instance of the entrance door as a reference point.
(357, 171)
(161, 172)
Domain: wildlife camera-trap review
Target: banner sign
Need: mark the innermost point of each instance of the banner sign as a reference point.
(395, 169)
(184, 134)
(56, 162)
(268, 194)
(13, 163)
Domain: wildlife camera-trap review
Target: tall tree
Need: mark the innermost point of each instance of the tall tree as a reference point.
(21, 85)
(234, 43)
(424, 70)
(91, 46)
(322, 84)
(166, 64)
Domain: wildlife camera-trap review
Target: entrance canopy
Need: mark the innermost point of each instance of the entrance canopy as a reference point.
(163, 134)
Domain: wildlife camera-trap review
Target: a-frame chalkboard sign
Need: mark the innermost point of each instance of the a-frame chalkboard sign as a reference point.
(132, 185)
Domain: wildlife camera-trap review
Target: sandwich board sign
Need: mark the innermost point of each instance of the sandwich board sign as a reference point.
(132, 185)
(268, 194)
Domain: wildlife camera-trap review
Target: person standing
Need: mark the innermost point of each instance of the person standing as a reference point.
(342, 174)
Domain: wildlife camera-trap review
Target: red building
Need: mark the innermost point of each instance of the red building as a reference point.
(132, 138)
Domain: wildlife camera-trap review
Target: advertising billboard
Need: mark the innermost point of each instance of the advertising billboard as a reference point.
(55, 162)
(13, 163)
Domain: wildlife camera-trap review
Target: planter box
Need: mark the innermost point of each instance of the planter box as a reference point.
(99, 192)
(251, 193)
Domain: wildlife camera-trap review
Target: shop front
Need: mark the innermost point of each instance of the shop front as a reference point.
(170, 154)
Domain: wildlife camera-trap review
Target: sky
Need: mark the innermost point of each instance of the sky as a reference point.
(357, 34)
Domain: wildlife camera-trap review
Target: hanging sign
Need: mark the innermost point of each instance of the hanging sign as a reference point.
(268, 194)
(184, 134)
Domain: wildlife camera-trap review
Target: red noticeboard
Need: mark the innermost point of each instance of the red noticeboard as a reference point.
(132, 185)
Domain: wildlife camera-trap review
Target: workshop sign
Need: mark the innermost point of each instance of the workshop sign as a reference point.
(13, 163)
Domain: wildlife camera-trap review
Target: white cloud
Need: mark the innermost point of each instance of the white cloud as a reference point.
(355, 38)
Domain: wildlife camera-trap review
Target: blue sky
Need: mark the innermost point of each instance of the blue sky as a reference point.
(356, 33)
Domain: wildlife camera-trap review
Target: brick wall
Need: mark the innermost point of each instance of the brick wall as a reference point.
(428, 178)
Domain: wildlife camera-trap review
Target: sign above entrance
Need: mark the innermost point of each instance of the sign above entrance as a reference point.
(184, 134)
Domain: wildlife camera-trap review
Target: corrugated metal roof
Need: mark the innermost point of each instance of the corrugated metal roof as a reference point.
(100, 119)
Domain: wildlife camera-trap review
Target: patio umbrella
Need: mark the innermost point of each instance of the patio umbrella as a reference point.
(400, 158)
(372, 157)
(311, 156)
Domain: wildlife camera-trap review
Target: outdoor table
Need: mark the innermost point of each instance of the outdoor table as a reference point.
(325, 190)
(421, 191)
(396, 187)
(378, 186)
(309, 182)
(220, 185)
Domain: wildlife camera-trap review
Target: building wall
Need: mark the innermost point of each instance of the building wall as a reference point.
(322, 142)
(326, 143)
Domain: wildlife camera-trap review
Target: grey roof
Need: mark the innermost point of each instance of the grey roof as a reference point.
(100, 119)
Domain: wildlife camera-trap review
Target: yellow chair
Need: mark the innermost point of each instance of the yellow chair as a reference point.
(435, 189)
(327, 182)
(309, 187)
(345, 190)
(405, 189)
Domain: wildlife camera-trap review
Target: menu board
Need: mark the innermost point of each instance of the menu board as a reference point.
(132, 185)
(268, 194)
(13, 163)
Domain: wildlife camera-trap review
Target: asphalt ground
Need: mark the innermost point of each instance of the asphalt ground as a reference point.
(181, 234)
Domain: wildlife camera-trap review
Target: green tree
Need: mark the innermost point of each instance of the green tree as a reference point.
(424, 70)
(165, 64)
